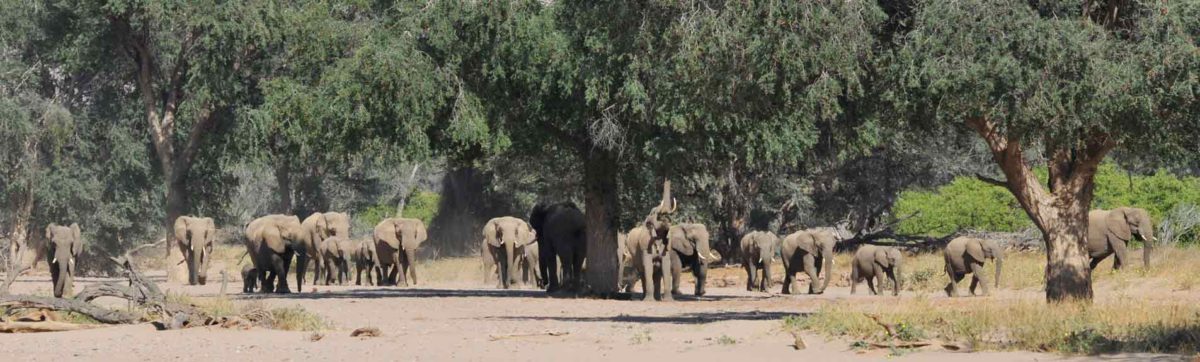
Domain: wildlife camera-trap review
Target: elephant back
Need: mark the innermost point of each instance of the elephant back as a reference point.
(338, 223)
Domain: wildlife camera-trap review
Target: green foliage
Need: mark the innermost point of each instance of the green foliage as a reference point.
(421, 205)
(968, 203)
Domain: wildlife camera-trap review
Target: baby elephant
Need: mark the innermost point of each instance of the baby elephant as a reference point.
(758, 248)
(249, 278)
(872, 263)
(966, 255)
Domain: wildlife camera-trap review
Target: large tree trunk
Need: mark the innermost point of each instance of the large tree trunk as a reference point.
(1059, 210)
(601, 203)
(177, 271)
(283, 180)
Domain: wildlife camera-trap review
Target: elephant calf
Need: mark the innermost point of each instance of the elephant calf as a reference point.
(249, 278)
(365, 258)
(338, 251)
(872, 263)
(966, 255)
(758, 250)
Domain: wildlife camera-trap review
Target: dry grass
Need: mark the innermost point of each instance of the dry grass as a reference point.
(997, 324)
(291, 318)
(1144, 309)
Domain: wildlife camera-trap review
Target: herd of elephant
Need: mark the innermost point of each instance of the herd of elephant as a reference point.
(654, 252)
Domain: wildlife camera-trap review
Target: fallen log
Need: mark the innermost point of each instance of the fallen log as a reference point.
(48, 326)
(101, 314)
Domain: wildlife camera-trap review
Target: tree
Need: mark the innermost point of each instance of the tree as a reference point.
(678, 89)
(1060, 83)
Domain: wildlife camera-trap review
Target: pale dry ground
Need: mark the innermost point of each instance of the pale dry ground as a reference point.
(453, 315)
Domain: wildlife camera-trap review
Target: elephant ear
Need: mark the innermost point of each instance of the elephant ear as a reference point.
(77, 241)
(975, 250)
(805, 241)
(678, 239)
(525, 234)
(1118, 224)
(882, 258)
(181, 229)
(489, 234)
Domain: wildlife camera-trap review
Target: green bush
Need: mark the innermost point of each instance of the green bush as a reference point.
(421, 205)
(972, 204)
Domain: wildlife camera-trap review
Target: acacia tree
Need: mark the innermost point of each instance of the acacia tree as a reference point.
(1059, 83)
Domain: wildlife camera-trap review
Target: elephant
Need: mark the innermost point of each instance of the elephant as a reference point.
(271, 241)
(1109, 232)
(872, 263)
(337, 251)
(320, 226)
(758, 250)
(529, 265)
(808, 251)
(505, 240)
(689, 246)
(560, 235)
(192, 233)
(396, 242)
(63, 249)
(967, 255)
(249, 278)
(628, 276)
(365, 258)
(649, 249)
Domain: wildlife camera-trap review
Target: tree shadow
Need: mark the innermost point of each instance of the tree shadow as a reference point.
(1155, 338)
(393, 292)
(685, 318)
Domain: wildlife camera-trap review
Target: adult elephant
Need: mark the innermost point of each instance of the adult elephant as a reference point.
(758, 250)
(689, 245)
(195, 236)
(505, 239)
(320, 226)
(872, 263)
(650, 251)
(63, 248)
(366, 259)
(966, 255)
(560, 237)
(396, 242)
(271, 241)
(1109, 232)
(809, 251)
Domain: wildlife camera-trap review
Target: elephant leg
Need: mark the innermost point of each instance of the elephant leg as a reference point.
(700, 271)
(749, 266)
(57, 279)
(854, 279)
(1096, 261)
(979, 278)
(394, 276)
(871, 285)
(812, 267)
(548, 267)
(411, 258)
(316, 262)
(668, 271)
(283, 263)
(952, 286)
(676, 268)
(1119, 257)
(648, 287)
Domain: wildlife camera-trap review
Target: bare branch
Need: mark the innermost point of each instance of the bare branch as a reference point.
(991, 181)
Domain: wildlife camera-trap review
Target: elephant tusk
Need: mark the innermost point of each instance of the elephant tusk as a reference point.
(72, 261)
(55, 260)
(674, 205)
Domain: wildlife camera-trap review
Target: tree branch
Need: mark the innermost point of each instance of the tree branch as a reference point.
(991, 181)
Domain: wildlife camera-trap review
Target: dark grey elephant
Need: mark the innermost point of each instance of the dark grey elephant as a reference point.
(1109, 232)
(505, 240)
(560, 237)
(872, 263)
(966, 256)
(271, 242)
(809, 251)
(63, 248)
(690, 247)
(195, 236)
(758, 250)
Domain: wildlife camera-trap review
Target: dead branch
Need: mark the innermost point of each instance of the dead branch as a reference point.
(990, 181)
(103, 315)
(887, 327)
(519, 335)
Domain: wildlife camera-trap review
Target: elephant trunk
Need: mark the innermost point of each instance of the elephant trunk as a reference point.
(828, 268)
(191, 264)
(999, 261)
(509, 273)
(62, 264)
(1146, 249)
